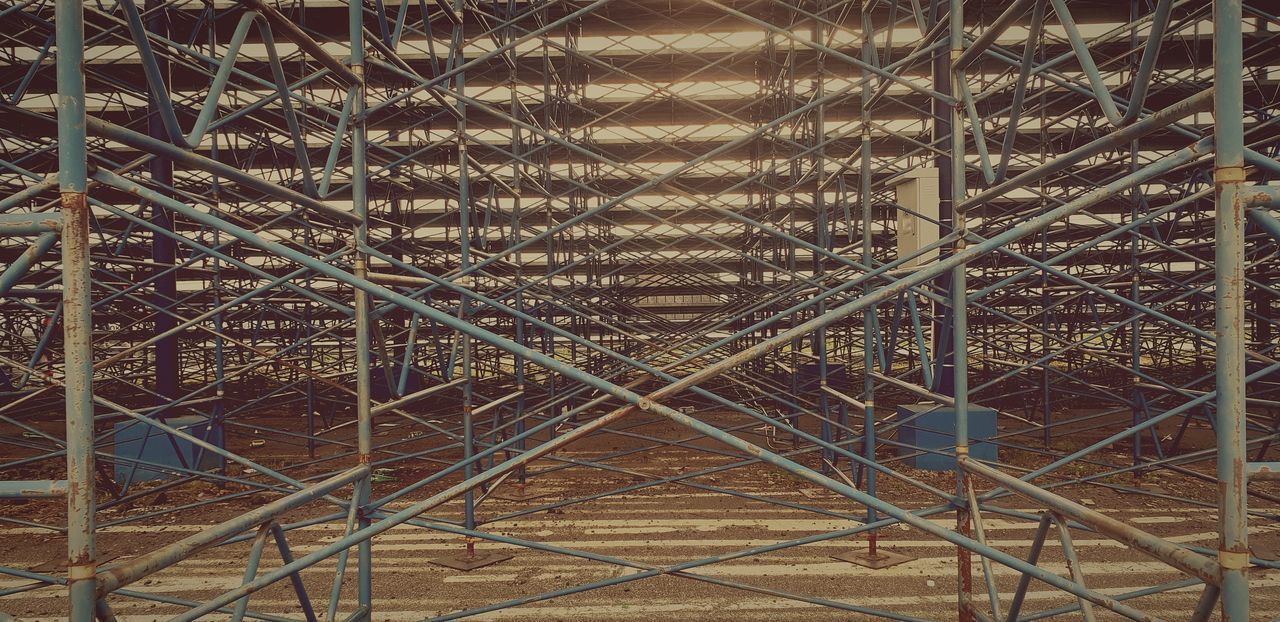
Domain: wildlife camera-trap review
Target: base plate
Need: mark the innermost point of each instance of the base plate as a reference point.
(882, 559)
(467, 564)
(515, 494)
(1148, 488)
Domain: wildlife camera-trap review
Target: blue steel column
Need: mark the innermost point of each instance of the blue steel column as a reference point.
(959, 318)
(516, 233)
(464, 262)
(941, 114)
(868, 358)
(1228, 118)
(164, 251)
(77, 325)
(360, 205)
(821, 235)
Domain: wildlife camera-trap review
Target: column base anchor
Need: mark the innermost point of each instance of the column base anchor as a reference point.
(518, 493)
(470, 560)
(882, 558)
(467, 563)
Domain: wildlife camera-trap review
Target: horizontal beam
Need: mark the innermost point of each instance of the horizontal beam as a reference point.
(1195, 564)
(119, 575)
(1262, 470)
(33, 489)
(104, 129)
(30, 223)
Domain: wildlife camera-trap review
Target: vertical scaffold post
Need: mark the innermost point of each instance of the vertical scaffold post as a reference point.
(464, 262)
(164, 251)
(360, 204)
(77, 326)
(959, 317)
(1228, 118)
(865, 199)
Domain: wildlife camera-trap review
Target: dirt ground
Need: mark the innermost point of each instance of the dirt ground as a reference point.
(618, 554)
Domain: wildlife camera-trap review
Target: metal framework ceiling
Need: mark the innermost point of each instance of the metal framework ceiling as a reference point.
(501, 227)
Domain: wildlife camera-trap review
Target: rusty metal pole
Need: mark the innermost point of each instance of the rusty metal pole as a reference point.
(960, 319)
(1228, 119)
(77, 327)
(364, 393)
(865, 197)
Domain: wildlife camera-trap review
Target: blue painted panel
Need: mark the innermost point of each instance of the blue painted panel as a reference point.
(937, 430)
(144, 442)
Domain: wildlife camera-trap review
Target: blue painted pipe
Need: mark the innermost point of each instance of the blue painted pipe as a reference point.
(23, 263)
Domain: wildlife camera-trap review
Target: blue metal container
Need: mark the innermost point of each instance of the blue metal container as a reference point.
(143, 442)
(937, 430)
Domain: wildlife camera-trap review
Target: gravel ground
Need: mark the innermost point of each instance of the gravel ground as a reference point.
(656, 526)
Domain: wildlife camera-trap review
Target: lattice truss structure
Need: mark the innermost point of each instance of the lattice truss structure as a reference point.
(463, 235)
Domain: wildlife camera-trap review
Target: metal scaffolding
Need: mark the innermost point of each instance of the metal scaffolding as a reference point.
(497, 228)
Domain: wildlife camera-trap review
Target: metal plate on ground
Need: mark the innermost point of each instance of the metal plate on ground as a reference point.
(468, 563)
(515, 494)
(882, 559)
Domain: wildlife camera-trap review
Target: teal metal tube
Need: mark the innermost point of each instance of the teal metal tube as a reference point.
(29, 223)
(832, 53)
(1261, 196)
(993, 31)
(1081, 49)
(1020, 88)
(77, 324)
(291, 31)
(651, 182)
(1267, 222)
(442, 78)
(29, 193)
(364, 327)
(33, 489)
(23, 263)
(1142, 79)
(1080, 248)
(219, 82)
(1229, 218)
(251, 569)
(124, 573)
(151, 69)
(959, 311)
(1199, 566)
(865, 198)
(457, 53)
(1073, 564)
(711, 431)
(1037, 545)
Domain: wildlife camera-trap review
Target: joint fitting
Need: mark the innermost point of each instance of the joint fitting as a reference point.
(1228, 175)
(1233, 560)
(82, 572)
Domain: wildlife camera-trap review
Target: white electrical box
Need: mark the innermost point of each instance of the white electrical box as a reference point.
(917, 192)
